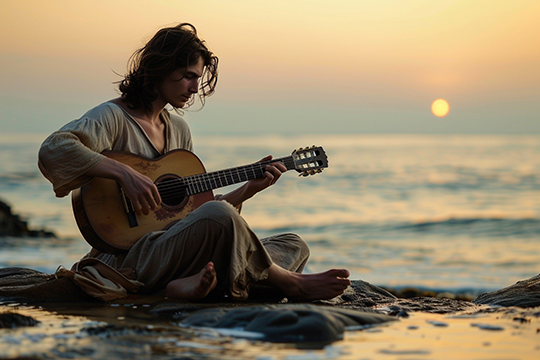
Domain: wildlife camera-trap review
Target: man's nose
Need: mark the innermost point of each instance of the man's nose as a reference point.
(194, 86)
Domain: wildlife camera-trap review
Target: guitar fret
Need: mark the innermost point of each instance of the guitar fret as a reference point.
(200, 184)
(258, 171)
(190, 187)
(220, 177)
(213, 183)
(226, 178)
(203, 183)
(196, 186)
(237, 172)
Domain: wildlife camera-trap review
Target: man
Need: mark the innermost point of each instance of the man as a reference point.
(213, 247)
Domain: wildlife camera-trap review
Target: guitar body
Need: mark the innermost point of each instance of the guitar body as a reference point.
(100, 206)
(107, 220)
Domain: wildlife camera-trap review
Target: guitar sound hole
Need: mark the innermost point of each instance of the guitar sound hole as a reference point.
(172, 190)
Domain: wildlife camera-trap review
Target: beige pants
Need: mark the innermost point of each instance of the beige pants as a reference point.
(214, 232)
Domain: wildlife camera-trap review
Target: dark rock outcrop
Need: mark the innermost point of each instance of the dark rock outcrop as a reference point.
(285, 323)
(525, 293)
(12, 225)
(11, 320)
(362, 294)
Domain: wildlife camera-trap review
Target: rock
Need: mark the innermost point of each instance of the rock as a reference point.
(525, 293)
(12, 225)
(427, 304)
(285, 323)
(12, 320)
(362, 294)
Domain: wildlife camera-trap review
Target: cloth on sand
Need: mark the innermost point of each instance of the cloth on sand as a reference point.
(101, 281)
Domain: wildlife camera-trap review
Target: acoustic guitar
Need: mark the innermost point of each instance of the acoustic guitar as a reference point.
(108, 222)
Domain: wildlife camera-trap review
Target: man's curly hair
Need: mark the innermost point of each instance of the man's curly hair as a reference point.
(170, 49)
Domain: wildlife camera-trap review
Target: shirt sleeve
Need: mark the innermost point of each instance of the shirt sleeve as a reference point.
(68, 154)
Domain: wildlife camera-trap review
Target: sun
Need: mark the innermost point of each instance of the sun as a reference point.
(440, 108)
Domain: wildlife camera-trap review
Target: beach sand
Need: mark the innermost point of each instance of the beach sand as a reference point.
(127, 329)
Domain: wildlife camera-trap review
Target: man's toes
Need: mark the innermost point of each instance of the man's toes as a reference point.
(342, 273)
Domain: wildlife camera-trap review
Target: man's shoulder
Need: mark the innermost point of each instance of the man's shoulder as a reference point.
(107, 115)
(176, 119)
(107, 109)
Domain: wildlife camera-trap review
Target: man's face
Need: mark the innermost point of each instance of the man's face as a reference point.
(178, 87)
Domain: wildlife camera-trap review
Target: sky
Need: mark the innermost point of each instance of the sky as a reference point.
(287, 66)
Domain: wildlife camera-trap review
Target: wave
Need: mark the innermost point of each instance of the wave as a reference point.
(485, 226)
(474, 227)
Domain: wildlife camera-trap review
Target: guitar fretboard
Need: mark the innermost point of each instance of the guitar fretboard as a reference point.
(174, 188)
(200, 183)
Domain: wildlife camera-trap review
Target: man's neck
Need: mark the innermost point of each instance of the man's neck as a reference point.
(139, 114)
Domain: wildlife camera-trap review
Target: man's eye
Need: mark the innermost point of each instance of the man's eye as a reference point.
(187, 77)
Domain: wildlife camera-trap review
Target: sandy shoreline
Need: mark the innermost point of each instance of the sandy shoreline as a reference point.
(127, 328)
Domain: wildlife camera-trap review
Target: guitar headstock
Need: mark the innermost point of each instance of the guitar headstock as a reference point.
(310, 160)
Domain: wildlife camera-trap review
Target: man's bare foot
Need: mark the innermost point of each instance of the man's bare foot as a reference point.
(320, 286)
(193, 287)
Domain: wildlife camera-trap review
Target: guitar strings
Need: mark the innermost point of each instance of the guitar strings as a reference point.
(203, 182)
(174, 190)
(219, 178)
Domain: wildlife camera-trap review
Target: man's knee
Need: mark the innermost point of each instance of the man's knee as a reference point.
(291, 240)
(300, 243)
(219, 211)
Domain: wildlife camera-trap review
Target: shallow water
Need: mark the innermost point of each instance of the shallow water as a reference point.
(457, 212)
(126, 330)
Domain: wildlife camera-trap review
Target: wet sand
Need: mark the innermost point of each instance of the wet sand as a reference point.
(456, 336)
(127, 329)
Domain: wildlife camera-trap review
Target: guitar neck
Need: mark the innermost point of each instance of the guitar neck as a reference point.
(196, 184)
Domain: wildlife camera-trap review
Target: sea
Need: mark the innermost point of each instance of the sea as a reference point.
(456, 213)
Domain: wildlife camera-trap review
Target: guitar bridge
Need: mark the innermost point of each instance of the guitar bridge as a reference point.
(128, 207)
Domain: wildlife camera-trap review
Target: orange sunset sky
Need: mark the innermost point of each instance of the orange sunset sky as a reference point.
(287, 66)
